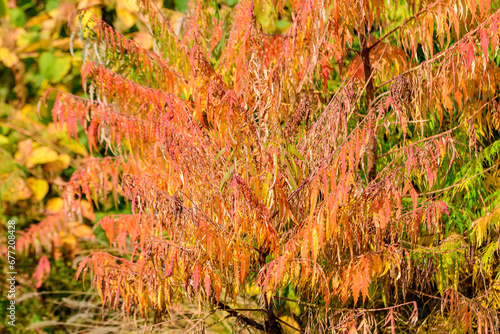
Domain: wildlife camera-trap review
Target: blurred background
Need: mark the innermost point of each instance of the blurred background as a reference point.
(37, 158)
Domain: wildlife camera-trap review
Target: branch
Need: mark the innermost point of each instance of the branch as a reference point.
(298, 301)
(234, 313)
(354, 51)
(272, 325)
(286, 324)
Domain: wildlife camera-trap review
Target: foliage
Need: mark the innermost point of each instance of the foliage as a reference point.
(349, 160)
(38, 158)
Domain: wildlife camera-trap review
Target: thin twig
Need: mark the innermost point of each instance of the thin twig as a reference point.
(233, 313)
(286, 324)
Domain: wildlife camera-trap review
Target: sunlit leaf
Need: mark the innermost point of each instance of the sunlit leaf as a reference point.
(39, 187)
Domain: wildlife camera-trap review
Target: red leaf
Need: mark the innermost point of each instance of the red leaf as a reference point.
(468, 52)
(484, 42)
(42, 269)
(170, 267)
(196, 277)
(326, 69)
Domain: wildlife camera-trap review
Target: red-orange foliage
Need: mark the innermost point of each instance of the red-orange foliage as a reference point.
(244, 170)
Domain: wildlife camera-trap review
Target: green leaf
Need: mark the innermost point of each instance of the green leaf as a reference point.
(226, 177)
(231, 3)
(220, 153)
(51, 4)
(295, 152)
(3, 140)
(3, 8)
(283, 25)
(52, 67)
(17, 17)
(181, 5)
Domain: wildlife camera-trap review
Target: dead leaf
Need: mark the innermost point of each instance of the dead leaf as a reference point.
(58, 165)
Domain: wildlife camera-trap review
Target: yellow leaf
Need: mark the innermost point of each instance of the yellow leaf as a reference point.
(315, 245)
(3, 140)
(64, 44)
(252, 290)
(88, 3)
(61, 163)
(130, 5)
(41, 155)
(50, 25)
(126, 18)
(42, 44)
(54, 205)
(37, 20)
(82, 231)
(7, 57)
(39, 187)
(87, 18)
(57, 130)
(70, 241)
(27, 109)
(74, 146)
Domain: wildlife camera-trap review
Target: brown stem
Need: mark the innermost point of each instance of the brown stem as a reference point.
(272, 325)
(371, 150)
(263, 253)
